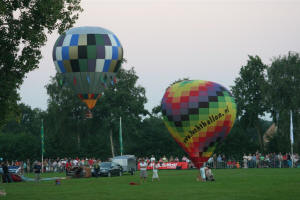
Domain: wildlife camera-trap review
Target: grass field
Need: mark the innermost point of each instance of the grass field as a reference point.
(230, 184)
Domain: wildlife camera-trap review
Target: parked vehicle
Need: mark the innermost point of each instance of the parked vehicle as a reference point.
(110, 169)
(11, 169)
(128, 163)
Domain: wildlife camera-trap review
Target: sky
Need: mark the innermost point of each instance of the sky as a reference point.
(167, 40)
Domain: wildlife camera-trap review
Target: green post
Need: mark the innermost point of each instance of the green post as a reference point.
(120, 137)
(42, 142)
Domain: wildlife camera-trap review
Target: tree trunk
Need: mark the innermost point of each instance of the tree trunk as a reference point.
(78, 141)
(78, 136)
(260, 137)
(111, 143)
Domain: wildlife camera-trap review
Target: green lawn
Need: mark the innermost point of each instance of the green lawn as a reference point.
(231, 184)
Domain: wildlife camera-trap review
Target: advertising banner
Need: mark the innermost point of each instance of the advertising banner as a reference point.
(168, 165)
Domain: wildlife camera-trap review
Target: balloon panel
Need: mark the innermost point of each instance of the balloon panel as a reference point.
(89, 82)
(198, 114)
(79, 50)
(88, 59)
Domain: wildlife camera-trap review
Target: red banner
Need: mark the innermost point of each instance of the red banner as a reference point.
(168, 165)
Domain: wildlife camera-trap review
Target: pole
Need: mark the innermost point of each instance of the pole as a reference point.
(120, 137)
(292, 137)
(292, 156)
(42, 143)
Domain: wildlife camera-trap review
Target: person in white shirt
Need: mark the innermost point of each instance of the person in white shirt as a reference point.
(165, 159)
(201, 175)
(143, 170)
(54, 165)
(155, 171)
(152, 159)
(75, 162)
(245, 160)
(210, 161)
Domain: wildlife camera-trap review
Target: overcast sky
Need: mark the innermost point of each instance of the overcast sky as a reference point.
(165, 40)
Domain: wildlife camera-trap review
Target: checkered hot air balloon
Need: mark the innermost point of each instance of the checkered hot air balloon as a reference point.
(198, 114)
(88, 59)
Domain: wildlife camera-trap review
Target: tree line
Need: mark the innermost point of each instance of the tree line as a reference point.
(258, 90)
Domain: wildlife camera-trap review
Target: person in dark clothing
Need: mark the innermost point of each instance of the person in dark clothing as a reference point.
(6, 176)
(97, 169)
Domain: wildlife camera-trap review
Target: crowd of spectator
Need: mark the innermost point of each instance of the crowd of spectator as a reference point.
(55, 165)
(256, 160)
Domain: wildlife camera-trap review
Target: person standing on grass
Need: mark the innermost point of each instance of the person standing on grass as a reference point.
(37, 170)
(215, 160)
(28, 166)
(68, 166)
(96, 168)
(152, 159)
(155, 171)
(6, 175)
(143, 170)
(202, 176)
(24, 167)
(280, 158)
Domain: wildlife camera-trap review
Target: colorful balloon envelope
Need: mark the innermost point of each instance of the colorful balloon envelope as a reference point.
(88, 59)
(199, 115)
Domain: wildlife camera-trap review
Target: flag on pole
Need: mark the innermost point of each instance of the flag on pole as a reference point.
(42, 138)
(291, 128)
(120, 137)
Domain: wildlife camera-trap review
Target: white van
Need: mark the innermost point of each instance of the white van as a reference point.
(128, 163)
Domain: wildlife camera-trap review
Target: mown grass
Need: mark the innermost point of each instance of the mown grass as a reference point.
(230, 184)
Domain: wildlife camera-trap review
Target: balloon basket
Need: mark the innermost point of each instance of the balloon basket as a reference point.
(89, 115)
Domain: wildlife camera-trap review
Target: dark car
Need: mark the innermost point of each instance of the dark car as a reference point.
(110, 169)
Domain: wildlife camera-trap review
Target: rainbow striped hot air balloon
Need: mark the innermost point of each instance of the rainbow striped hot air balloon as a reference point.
(88, 58)
(198, 114)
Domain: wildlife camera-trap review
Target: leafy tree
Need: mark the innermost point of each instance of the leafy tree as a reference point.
(64, 121)
(124, 99)
(283, 96)
(23, 133)
(248, 93)
(278, 143)
(23, 28)
(67, 131)
(19, 146)
(27, 121)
